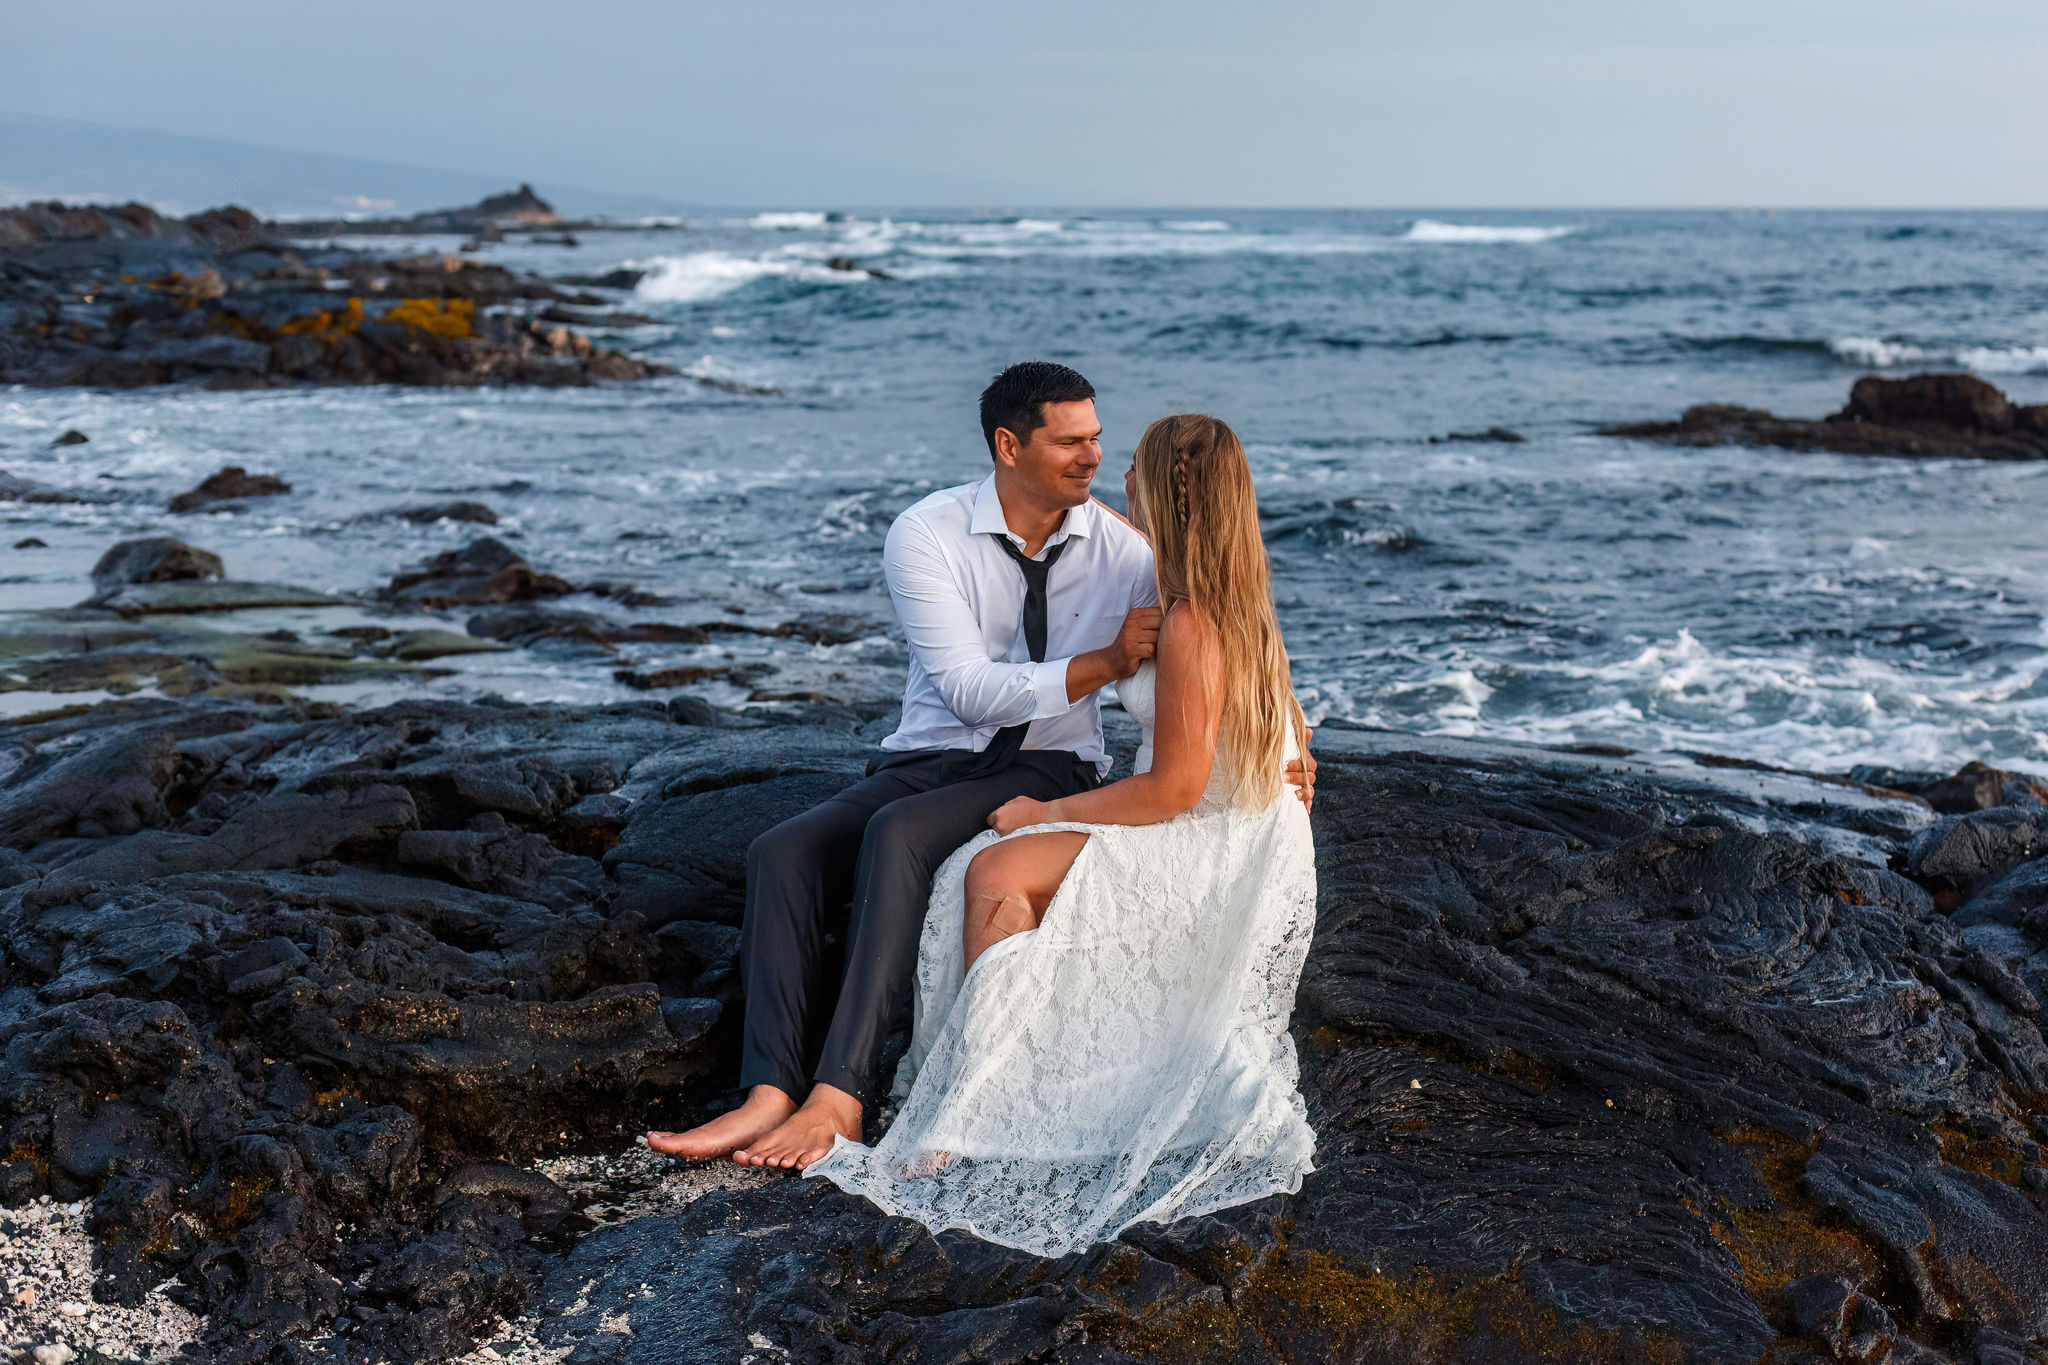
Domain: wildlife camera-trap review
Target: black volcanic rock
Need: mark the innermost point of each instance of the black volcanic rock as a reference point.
(14, 488)
(520, 208)
(485, 570)
(1607, 1060)
(458, 510)
(228, 483)
(1974, 786)
(121, 297)
(155, 559)
(1931, 415)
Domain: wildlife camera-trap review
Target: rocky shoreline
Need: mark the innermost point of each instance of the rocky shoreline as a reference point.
(161, 619)
(1610, 1057)
(124, 297)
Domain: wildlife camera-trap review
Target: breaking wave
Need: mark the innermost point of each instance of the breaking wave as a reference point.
(707, 274)
(1879, 354)
(789, 222)
(1430, 230)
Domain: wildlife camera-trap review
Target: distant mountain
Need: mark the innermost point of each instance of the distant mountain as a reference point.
(54, 158)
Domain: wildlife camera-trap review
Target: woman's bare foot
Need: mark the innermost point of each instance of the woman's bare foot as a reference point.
(765, 1108)
(807, 1134)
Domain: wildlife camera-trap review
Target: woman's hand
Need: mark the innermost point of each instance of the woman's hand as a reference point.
(1018, 812)
(1301, 773)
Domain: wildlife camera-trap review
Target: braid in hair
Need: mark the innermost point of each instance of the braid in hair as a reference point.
(1180, 485)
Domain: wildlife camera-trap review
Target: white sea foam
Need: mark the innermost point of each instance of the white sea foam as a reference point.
(1879, 354)
(1430, 230)
(1110, 238)
(788, 222)
(1800, 708)
(704, 275)
(2004, 359)
(1196, 225)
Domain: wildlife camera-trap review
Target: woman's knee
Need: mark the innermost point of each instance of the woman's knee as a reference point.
(992, 873)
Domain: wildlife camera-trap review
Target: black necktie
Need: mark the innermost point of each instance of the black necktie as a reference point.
(1006, 742)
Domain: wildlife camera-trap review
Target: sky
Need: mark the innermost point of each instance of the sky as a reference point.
(802, 103)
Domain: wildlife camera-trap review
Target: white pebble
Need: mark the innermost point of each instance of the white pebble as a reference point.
(55, 1354)
(72, 1310)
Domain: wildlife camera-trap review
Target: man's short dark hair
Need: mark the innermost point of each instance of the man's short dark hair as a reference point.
(1016, 398)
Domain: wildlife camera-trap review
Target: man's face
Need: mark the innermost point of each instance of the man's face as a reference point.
(1060, 461)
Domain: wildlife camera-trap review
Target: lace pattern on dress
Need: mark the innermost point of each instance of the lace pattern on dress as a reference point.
(1126, 1061)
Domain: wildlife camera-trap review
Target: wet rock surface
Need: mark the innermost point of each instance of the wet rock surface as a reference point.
(1608, 1059)
(485, 570)
(122, 297)
(230, 483)
(1932, 415)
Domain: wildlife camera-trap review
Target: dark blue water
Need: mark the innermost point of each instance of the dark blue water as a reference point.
(1806, 609)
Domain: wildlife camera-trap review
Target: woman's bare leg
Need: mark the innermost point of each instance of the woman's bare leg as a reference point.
(1009, 885)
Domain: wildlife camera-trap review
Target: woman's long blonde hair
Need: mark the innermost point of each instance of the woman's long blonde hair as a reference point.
(1203, 518)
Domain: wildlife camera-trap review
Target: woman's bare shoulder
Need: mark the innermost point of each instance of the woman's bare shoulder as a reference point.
(1187, 629)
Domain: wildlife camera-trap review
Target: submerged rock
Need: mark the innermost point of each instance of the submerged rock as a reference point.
(173, 651)
(14, 488)
(459, 510)
(191, 596)
(1933, 415)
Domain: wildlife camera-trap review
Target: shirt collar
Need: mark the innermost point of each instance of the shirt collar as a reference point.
(988, 517)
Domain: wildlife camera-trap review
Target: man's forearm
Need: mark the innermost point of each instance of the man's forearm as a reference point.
(1096, 669)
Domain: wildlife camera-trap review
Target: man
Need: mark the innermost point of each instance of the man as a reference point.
(1019, 597)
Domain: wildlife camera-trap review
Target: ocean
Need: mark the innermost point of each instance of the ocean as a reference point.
(1809, 610)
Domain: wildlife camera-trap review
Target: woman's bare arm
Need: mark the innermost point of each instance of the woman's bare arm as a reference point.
(1189, 704)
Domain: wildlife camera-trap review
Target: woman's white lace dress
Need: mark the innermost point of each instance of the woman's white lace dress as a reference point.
(1126, 1061)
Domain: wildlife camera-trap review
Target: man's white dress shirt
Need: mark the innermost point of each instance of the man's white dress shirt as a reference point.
(960, 599)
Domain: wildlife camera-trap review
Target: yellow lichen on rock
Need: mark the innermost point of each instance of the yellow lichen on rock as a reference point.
(452, 318)
(1313, 1306)
(326, 322)
(1774, 1246)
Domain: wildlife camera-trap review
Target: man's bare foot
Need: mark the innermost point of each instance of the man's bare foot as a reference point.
(807, 1134)
(765, 1108)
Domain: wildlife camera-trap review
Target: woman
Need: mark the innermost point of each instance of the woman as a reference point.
(1104, 981)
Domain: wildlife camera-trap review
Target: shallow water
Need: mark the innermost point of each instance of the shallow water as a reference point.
(1811, 610)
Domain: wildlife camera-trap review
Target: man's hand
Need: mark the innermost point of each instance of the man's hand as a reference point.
(1135, 641)
(1016, 813)
(1302, 773)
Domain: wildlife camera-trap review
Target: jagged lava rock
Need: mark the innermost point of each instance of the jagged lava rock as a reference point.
(121, 297)
(1607, 1059)
(277, 980)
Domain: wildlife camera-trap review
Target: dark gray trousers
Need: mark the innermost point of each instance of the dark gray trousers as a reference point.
(878, 842)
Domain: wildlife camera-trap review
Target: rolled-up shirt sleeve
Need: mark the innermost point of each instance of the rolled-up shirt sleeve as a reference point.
(945, 639)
